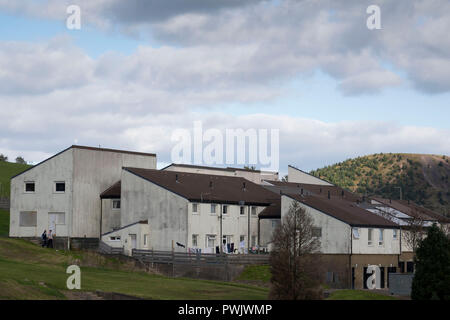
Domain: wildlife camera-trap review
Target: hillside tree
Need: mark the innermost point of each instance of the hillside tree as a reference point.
(3, 157)
(295, 265)
(20, 160)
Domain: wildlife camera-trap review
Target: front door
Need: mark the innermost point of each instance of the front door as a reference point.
(52, 222)
(133, 241)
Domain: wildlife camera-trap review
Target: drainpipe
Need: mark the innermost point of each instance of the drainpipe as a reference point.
(350, 257)
(259, 230)
(248, 230)
(221, 236)
(101, 218)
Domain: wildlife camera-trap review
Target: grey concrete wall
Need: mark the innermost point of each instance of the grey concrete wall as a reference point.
(267, 227)
(110, 216)
(44, 199)
(166, 212)
(295, 175)
(94, 171)
(400, 283)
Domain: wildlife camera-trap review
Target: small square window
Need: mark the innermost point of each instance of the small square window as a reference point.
(145, 240)
(369, 237)
(242, 211)
(224, 209)
(253, 211)
(213, 208)
(317, 232)
(195, 208)
(116, 204)
(242, 239)
(30, 186)
(395, 234)
(195, 240)
(355, 233)
(60, 187)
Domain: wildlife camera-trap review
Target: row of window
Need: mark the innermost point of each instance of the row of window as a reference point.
(213, 209)
(29, 219)
(211, 240)
(58, 187)
(370, 236)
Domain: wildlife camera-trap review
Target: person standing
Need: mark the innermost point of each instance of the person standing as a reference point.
(44, 238)
(50, 239)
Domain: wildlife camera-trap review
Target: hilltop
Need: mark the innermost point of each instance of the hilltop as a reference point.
(8, 170)
(422, 178)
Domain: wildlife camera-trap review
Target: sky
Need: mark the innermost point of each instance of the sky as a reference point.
(137, 71)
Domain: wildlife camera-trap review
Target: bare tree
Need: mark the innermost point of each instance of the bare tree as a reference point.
(285, 178)
(294, 259)
(415, 231)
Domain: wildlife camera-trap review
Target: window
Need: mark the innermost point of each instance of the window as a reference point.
(195, 208)
(253, 241)
(225, 209)
(242, 211)
(242, 239)
(355, 233)
(381, 236)
(253, 211)
(116, 238)
(213, 208)
(60, 187)
(57, 218)
(369, 236)
(116, 204)
(29, 187)
(195, 240)
(210, 241)
(28, 219)
(317, 232)
(145, 240)
(395, 234)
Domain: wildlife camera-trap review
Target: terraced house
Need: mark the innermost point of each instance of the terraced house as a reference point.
(62, 193)
(184, 211)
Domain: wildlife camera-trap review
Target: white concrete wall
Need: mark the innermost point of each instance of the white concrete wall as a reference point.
(295, 175)
(335, 233)
(110, 216)
(204, 223)
(44, 200)
(86, 174)
(389, 246)
(166, 212)
(138, 229)
(95, 171)
(267, 227)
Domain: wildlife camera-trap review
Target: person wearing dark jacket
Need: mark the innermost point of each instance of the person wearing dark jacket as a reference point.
(44, 238)
(50, 239)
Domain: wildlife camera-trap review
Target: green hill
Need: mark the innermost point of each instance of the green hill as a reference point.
(8, 170)
(422, 178)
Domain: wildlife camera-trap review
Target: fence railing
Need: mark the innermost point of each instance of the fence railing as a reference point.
(169, 257)
(106, 249)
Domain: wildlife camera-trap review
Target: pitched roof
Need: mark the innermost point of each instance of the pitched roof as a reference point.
(412, 209)
(229, 169)
(309, 174)
(112, 192)
(319, 190)
(345, 211)
(208, 188)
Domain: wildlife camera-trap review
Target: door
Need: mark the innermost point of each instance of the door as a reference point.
(133, 241)
(52, 222)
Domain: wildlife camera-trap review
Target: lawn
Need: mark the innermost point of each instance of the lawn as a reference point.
(8, 170)
(255, 273)
(28, 271)
(358, 295)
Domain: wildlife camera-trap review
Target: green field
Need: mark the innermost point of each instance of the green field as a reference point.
(8, 170)
(28, 271)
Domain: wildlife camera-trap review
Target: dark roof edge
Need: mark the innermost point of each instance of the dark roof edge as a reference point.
(112, 186)
(309, 174)
(128, 225)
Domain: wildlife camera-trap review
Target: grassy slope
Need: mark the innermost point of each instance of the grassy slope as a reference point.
(7, 170)
(28, 271)
(4, 223)
(423, 178)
